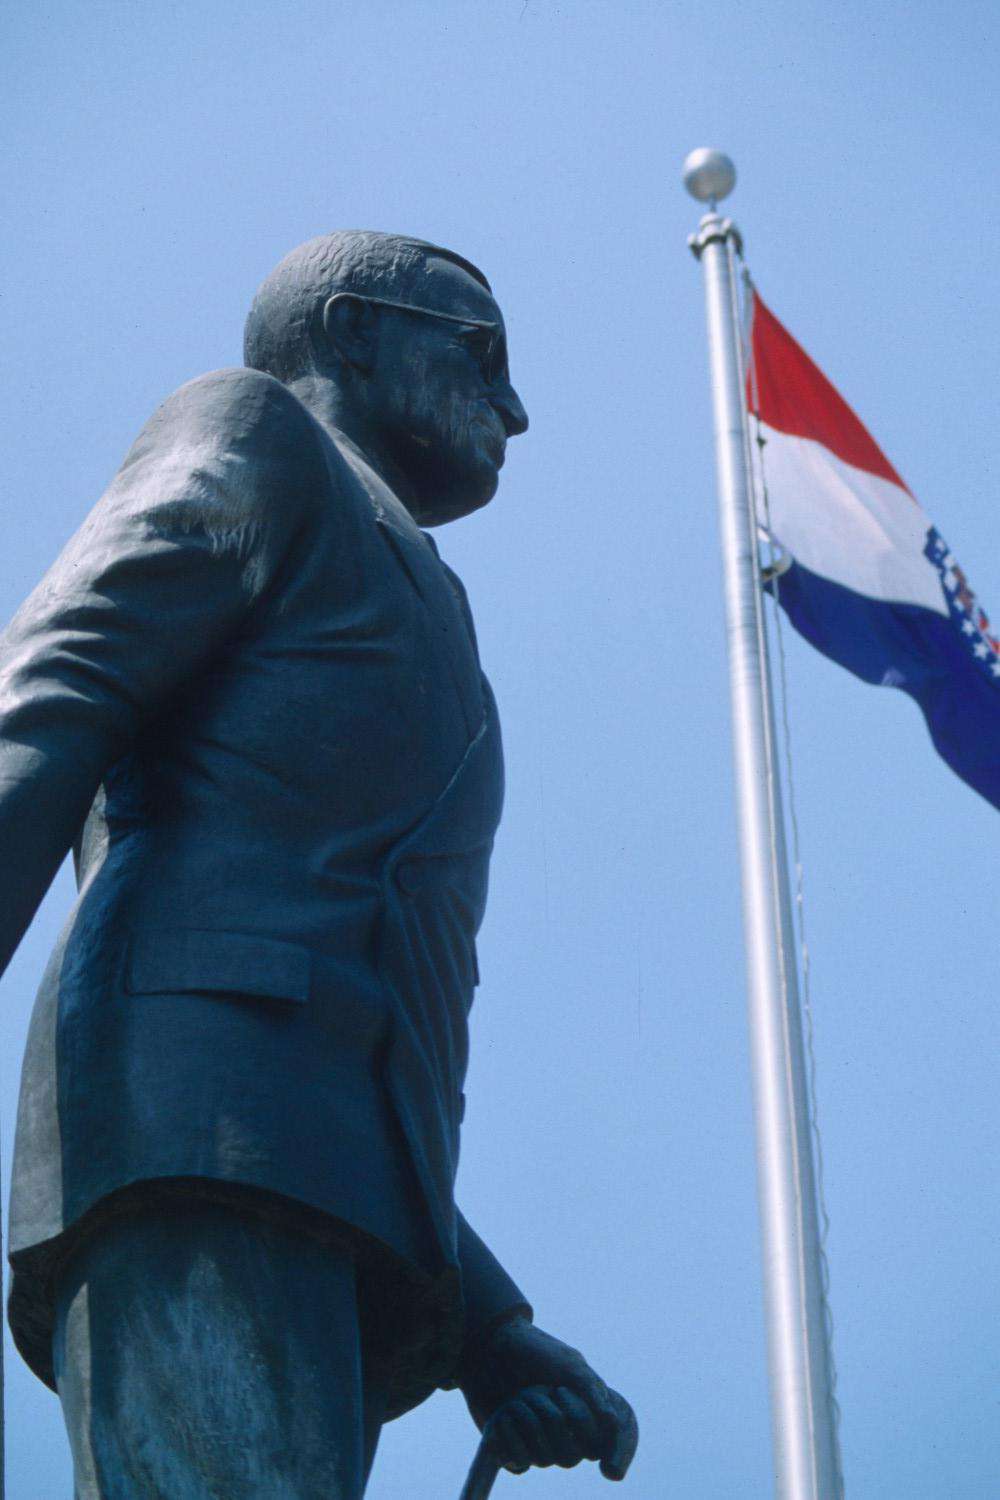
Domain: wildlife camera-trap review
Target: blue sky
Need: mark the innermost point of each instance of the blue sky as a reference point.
(159, 160)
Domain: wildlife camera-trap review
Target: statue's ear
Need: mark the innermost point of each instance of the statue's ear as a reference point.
(350, 325)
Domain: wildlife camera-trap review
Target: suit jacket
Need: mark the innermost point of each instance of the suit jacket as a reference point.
(253, 685)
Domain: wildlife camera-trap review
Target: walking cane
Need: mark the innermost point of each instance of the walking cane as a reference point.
(481, 1475)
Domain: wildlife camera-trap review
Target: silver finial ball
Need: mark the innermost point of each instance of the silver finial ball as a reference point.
(709, 175)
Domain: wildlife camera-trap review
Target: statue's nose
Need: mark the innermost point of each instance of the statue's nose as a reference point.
(508, 403)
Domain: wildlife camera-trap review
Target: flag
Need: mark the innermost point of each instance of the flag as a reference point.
(872, 583)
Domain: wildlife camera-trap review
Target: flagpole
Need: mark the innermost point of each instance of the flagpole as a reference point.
(806, 1457)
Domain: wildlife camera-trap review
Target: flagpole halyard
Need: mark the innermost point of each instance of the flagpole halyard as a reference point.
(806, 1458)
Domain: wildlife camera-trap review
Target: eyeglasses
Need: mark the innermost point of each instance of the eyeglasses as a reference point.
(486, 340)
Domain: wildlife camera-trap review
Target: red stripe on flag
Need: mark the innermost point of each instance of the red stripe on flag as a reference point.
(794, 396)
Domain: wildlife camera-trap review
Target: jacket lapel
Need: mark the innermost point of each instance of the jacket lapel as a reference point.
(427, 575)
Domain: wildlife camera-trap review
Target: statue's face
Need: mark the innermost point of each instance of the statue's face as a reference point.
(442, 398)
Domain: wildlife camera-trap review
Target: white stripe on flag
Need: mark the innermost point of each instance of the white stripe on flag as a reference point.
(847, 525)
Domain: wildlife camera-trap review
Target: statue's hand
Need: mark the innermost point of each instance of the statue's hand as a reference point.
(538, 1401)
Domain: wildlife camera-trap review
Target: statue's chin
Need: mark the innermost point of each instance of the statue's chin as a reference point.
(449, 501)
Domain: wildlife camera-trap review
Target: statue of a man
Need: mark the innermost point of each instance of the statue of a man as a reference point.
(248, 696)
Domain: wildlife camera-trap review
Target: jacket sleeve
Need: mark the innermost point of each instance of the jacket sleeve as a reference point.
(193, 533)
(491, 1297)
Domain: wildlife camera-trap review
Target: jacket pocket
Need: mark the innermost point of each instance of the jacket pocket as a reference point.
(194, 960)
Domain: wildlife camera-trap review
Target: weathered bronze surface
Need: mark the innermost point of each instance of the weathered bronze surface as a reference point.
(248, 694)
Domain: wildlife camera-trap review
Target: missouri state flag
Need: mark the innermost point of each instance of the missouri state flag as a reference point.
(871, 582)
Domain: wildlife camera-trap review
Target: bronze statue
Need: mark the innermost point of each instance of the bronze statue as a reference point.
(248, 696)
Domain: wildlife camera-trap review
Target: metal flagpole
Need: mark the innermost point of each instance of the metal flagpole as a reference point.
(806, 1457)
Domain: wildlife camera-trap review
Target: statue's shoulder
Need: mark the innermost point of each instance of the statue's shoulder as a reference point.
(236, 390)
(239, 410)
(222, 447)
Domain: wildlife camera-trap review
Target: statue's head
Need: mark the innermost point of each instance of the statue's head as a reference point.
(410, 336)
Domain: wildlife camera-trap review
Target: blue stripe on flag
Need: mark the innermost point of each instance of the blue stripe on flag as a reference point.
(930, 656)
